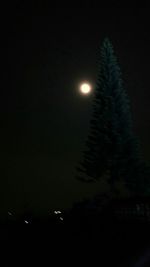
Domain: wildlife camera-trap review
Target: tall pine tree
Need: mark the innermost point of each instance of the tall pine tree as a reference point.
(111, 145)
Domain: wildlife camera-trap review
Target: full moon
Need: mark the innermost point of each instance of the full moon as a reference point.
(85, 88)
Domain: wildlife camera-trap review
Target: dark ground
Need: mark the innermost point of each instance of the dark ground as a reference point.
(80, 238)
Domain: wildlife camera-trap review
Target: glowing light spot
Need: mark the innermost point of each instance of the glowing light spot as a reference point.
(85, 88)
(57, 212)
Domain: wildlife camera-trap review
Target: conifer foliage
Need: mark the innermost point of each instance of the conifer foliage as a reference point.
(111, 145)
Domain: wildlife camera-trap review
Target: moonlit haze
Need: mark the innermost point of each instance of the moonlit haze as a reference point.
(85, 88)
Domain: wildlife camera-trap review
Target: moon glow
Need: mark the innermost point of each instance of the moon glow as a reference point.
(85, 88)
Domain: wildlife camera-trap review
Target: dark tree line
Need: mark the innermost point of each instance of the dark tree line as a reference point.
(112, 146)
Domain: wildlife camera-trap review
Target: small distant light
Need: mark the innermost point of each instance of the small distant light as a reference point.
(9, 213)
(26, 222)
(61, 218)
(57, 212)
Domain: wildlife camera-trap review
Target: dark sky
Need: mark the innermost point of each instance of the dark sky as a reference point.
(46, 53)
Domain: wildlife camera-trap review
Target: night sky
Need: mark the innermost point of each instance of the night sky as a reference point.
(47, 52)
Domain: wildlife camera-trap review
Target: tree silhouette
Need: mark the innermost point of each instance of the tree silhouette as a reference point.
(111, 145)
